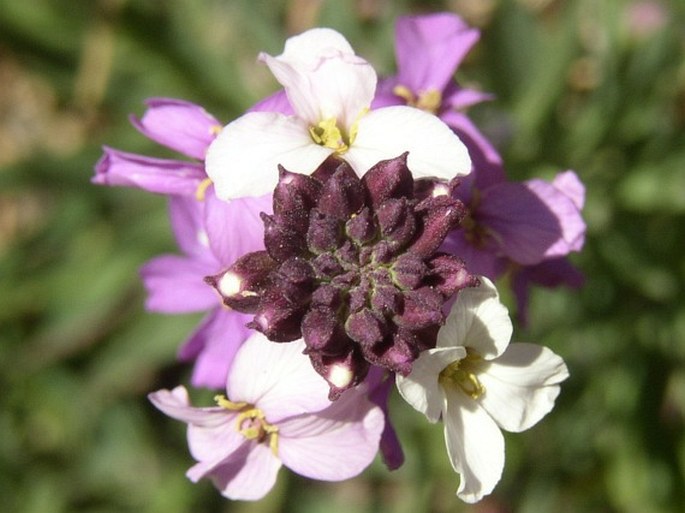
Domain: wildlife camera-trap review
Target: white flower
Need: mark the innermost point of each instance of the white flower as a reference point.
(330, 90)
(478, 383)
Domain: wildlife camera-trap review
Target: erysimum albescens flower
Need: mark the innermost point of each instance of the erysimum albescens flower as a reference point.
(478, 383)
(275, 412)
(330, 89)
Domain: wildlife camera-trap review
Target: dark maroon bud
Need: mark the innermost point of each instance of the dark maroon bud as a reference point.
(323, 333)
(294, 196)
(327, 168)
(326, 266)
(324, 234)
(241, 285)
(385, 300)
(359, 295)
(439, 215)
(448, 274)
(329, 296)
(430, 187)
(277, 318)
(342, 372)
(382, 253)
(388, 179)
(396, 222)
(281, 241)
(342, 194)
(421, 308)
(365, 328)
(402, 353)
(408, 271)
(348, 255)
(361, 227)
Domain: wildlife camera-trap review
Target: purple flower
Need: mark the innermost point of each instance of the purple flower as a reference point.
(275, 412)
(181, 126)
(211, 235)
(521, 226)
(176, 124)
(429, 49)
(351, 266)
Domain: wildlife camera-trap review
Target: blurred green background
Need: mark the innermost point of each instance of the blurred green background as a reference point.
(595, 86)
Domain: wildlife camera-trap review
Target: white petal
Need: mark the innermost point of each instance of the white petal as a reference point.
(323, 78)
(434, 150)
(277, 378)
(421, 388)
(475, 445)
(243, 160)
(478, 320)
(521, 385)
(307, 48)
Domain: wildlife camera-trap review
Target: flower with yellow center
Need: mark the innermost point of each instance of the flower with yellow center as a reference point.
(330, 90)
(478, 383)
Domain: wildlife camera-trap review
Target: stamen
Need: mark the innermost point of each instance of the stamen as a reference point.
(215, 129)
(429, 100)
(202, 189)
(327, 134)
(463, 373)
(251, 422)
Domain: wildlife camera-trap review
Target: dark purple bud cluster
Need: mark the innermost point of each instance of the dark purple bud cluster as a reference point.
(351, 265)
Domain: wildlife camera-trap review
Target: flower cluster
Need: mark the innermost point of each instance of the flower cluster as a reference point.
(343, 236)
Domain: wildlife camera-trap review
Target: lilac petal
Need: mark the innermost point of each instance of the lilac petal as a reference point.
(161, 176)
(179, 125)
(187, 221)
(334, 444)
(249, 474)
(176, 284)
(531, 221)
(430, 48)
(235, 228)
(277, 102)
(479, 260)
(385, 97)
(569, 183)
(214, 345)
(277, 378)
(487, 165)
(458, 98)
(176, 404)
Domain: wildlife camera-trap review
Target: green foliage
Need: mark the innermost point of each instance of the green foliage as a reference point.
(578, 87)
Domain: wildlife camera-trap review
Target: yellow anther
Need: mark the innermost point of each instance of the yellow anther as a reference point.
(327, 134)
(215, 129)
(251, 422)
(222, 401)
(202, 189)
(429, 100)
(354, 129)
(463, 373)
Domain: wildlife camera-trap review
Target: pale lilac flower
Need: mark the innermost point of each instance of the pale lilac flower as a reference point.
(275, 412)
(478, 383)
(330, 90)
(211, 234)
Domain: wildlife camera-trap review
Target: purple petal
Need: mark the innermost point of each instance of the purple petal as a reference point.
(430, 48)
(390, 447)
(277, 102)
(179, 125)
(458, 98)
(569, 183)
(214, 345)
(161, 176)
(479, 260)
(176, 284)
(187, 221)
(336, 443)
(531, 221)
(234, 227)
